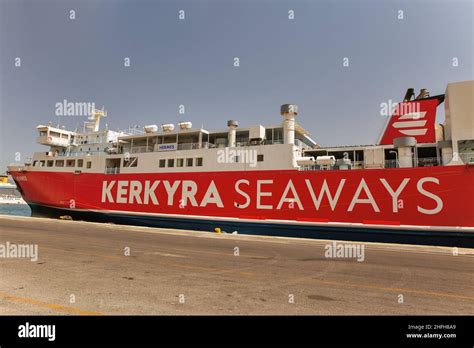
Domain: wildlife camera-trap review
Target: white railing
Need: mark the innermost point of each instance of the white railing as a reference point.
(427, 162)
(133, 131)
(195, 146)
(140, 149)
(76, 154)
(271, 142)
(421, 162)
(301, 145)
(391, 163)
(112, 170)
(467, 157)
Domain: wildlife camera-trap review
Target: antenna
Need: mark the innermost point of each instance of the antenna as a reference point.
(95, 117)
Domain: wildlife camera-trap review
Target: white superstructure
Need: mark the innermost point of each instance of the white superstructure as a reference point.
(286, 146)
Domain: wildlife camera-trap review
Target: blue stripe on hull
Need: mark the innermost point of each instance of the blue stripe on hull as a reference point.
(461, 239)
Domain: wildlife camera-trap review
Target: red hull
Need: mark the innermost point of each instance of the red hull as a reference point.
(426, 196)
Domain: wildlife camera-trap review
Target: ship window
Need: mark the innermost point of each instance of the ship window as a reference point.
(43, 133)
(59, 163)
(50, 163)
(130, 162)
(189, 162)
(180, 162)
(42, 163)
(259, 158)
(80, 163)
(162, 163)
(34, 163)
(70, 163)
(171, 162)
(89, 165)
(199, 161)
(277, 135)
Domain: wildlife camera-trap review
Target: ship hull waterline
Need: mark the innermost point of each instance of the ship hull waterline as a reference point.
(379, 234)
(414, 205)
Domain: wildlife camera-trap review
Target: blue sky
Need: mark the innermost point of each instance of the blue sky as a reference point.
(190, 62)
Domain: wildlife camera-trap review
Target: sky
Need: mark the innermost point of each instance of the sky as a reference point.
(191, 62)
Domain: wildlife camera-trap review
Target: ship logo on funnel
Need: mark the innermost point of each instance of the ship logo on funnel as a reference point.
(415, 118)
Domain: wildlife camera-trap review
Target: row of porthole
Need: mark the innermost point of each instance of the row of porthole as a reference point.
(60, 163)
(180, 162)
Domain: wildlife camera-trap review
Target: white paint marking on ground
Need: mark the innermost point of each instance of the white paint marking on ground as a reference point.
(166, 254)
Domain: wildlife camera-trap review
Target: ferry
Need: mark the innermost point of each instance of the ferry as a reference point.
(414, 185)
(8, 192)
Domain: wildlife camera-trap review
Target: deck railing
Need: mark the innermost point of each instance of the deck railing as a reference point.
(140, 149)
(195, 146)
(428, 162)
(467, 157)
(391, 164)
(75, 154)
(421, 162)
(115, 170)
